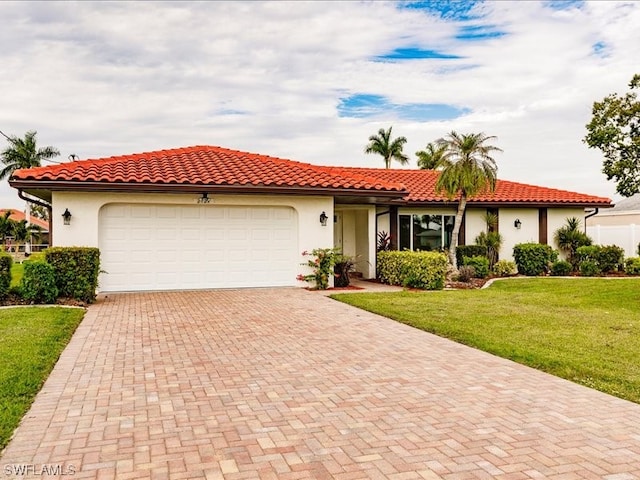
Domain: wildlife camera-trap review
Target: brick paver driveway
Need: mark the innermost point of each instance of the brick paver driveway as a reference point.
(288, 384)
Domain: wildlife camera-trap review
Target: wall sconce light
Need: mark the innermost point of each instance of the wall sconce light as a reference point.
(517, 223)
(204, 198)
(323, 219)
(66, 216)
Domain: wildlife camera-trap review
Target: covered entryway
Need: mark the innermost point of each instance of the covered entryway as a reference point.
(354, 234)
(167, 247)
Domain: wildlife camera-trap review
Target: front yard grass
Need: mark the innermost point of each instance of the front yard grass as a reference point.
(583, 330)
(32, 340)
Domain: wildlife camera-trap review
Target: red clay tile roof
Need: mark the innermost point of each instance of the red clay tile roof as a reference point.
(216, 166)
(18, 216)
(421, 187)
(203, 165)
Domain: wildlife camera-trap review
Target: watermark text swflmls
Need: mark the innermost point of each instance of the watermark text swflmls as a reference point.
(39, 470)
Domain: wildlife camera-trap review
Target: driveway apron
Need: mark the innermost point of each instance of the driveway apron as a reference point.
(289, 384)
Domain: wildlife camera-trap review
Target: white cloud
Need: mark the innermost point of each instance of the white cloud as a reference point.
(108, 78)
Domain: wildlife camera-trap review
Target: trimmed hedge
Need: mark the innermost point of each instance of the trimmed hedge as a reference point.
(561, 268)
(589, 268)
(608, 258)
(533, 259)
(632, 266)
(5, 273)
(426, 270)
(469, 251)
(39, 283)
(76, 271)
(480, 265)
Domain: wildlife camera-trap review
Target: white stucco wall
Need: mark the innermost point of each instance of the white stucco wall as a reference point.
(383, 220)
(474, 224)
(85, 208)
(511, 235)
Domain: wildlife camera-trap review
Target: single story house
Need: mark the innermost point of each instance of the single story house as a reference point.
(42, 238)
(210, 217)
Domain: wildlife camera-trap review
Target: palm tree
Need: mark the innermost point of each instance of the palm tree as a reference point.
(469, 170)
(389, 149)
(24, 153)
(6, 226)
(569, 238)
(491, 238)
(20, 232)
(432, 157)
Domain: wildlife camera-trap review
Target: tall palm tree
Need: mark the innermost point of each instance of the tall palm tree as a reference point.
(20, 232)
(24, 153)
(470, 169)
(387, 148)
(432, 157)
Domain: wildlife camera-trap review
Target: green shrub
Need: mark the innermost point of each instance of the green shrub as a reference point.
(632, 266)
(466, 273)
(76, 271)
(479, 264)
(561, 268)
(5, 273)
(505, 268)
(39, 283)
(533, 259)
(469, 251)
(589, 268)
(611, 258)
(638, 251)
(588, 252)
(426, 270)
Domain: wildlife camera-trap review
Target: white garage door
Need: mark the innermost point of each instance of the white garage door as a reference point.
(167, 247)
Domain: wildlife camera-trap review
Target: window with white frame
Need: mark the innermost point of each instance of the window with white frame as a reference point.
(425, 232)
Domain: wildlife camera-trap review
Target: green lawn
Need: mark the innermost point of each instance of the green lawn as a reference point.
(584, 330)
(32, 340)
(17, 269)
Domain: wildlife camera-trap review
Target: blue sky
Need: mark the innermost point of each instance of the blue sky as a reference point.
(311, 81)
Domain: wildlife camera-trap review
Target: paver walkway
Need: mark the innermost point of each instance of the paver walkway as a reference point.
(289, 384)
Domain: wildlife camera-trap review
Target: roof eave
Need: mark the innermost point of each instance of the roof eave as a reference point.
(502, 204)
(58, 185)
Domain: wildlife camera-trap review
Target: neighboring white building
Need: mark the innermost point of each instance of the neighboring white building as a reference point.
(619, 225)
(209, 217)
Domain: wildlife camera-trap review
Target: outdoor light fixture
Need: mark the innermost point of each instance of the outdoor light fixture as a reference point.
(66, 216)
(204, 198)
(517, 223)
(323, 219)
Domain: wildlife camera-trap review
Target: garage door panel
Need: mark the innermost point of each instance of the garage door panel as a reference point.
(167, 211)
(147, 247)
(238, 213)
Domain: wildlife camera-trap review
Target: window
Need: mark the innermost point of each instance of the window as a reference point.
(425, 232)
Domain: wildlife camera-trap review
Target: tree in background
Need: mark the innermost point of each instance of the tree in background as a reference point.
(6, 226)
(469, 170)
(615, 130)
(38, 211)
(432, 157)
(389, 149)
(24, 153)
